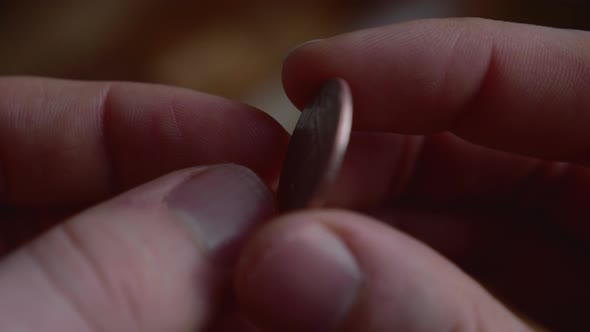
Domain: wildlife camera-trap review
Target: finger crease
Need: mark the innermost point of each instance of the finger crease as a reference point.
(470, 319)
(105, 109)
(463, 113)
(174, 116)
(60, 289)
(413, 150)
(101, 276)
(444, 81)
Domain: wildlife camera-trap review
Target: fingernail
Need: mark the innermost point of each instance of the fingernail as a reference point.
(306, 280)
(221, 206)
(305, 44)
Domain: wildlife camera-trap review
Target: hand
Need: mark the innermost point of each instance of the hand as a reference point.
(156, 258)
(472, 140)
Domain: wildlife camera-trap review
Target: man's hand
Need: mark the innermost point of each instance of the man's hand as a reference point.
(471, 136)
(156, 258)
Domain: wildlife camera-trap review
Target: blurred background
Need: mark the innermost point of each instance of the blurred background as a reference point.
(225, 47)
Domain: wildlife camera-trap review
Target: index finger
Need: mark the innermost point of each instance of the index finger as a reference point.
(514, 87)
(71, 143)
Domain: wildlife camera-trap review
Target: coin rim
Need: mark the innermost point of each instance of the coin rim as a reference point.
(339, 148)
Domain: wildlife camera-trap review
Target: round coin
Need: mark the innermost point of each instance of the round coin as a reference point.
(317, 148)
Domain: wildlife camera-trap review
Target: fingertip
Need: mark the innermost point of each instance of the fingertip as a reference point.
(169, 247)
(304, 71)
(483, 80)
(339, 271)
(298, 275)
(185, 124)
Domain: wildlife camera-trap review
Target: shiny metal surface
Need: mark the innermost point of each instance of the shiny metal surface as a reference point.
(317, 148)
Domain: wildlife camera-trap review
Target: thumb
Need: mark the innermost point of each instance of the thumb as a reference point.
(335, 271)
(157, 258)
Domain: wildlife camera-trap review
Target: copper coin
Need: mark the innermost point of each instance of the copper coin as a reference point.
(317, 148)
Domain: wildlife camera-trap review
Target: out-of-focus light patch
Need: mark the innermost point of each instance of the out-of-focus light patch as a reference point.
(399, 11)
(271, 98)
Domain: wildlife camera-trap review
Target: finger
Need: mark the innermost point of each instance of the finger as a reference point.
(385, 169)
(157, 258)
(64, 142)
(526, 259)
(509, 86)
(439, 169)
(377, 168)
(517, 223)
(331, 271)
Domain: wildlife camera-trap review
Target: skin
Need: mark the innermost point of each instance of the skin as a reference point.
(467, 171)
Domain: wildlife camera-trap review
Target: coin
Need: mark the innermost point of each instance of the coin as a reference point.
(316, 151)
